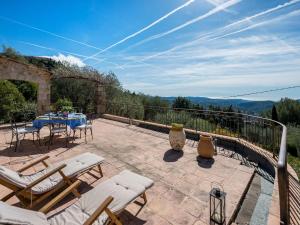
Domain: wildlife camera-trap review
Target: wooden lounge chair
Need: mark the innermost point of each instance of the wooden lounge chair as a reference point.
(16, 216)
(33, 188)
(110, 196)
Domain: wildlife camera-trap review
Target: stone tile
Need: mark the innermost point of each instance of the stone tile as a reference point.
(171, 212)
(174, 196)
(200, 222)
(185, 187)
(194, 207)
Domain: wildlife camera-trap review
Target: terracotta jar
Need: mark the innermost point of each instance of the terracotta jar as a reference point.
(205, 147)
(177, 137)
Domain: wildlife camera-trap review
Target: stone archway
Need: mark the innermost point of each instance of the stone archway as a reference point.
(13, 70)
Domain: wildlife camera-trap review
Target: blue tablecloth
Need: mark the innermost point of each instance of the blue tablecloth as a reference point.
(72, 121)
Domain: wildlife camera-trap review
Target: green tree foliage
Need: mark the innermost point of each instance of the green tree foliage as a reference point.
(28, 89)
(274, 113)
(126, 104)
(13, 54)
(182, 102)
(64, 105)
(288, 111)
(80, 85)
(153, 105)
(11, 100)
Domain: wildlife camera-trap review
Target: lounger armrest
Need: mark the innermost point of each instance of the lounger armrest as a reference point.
(59, 197)
(55, 170)
(33, 163)
(103, 207)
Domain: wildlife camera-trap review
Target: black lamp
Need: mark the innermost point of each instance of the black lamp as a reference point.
(217, 206)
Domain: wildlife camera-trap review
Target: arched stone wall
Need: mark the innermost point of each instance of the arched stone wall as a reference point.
(13, 70)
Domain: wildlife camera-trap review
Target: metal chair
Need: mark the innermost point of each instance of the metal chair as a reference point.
(21, 129)
(84, 127)
(60, 127)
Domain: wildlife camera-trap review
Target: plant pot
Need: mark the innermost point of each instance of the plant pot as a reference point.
(205, 147)
(177, 137)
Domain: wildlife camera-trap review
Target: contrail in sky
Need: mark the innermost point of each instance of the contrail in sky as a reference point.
(71, 53)
(220, 30)
(48, 32)
(215, 10)
(143, 29)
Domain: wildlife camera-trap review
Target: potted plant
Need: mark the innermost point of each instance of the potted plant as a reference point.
(177, 136)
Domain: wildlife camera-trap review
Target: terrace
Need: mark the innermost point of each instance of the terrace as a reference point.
(257, 191)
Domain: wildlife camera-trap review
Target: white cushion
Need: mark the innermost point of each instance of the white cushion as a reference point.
(73, 215)
(22, 181)
(124, 188)
(45, 185)
(80, 163)
(74, 167)
(18, 216)
(133, 180)
(84, 126)
(25, 130)
(12, 177)
(58, 130)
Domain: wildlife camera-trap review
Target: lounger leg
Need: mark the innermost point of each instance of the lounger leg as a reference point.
(76, 193)
(6, 197)
(92, 134)
(100, 170)
(69, 182)
(144, 197)
(114, 219)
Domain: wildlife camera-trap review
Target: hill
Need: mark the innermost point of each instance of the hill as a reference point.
(241, 104)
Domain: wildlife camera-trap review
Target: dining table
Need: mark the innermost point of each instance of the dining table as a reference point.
(72, 120)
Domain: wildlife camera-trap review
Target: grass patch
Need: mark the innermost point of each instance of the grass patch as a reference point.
(295, 163)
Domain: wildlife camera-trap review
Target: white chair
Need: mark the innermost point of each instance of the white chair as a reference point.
(58, 129)
(19, 132)
(85, 127)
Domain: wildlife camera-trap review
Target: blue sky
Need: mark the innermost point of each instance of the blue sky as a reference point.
(213, 48)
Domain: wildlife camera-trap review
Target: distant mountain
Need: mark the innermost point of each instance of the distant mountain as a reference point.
(242, 104)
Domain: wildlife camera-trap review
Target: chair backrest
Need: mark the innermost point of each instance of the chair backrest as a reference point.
(16, 216)
(90, 118)
(60, 122)
(13, 124)
(24, 119)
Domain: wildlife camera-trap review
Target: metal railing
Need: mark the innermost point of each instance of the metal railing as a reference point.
(262, 132)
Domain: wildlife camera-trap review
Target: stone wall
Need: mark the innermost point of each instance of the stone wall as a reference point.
(100, 99)
(14, 70)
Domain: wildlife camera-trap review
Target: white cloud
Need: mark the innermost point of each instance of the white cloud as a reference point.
(69, 59)
(220, 68)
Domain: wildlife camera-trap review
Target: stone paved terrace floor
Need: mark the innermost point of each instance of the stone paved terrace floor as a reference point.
(182, 184)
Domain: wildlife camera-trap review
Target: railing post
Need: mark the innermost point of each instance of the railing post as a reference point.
(283, 182)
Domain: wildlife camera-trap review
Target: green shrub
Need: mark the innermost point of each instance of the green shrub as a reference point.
(64, 104)
(11, 100)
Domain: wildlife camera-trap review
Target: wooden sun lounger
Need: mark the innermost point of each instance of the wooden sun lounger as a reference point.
(30, 198)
